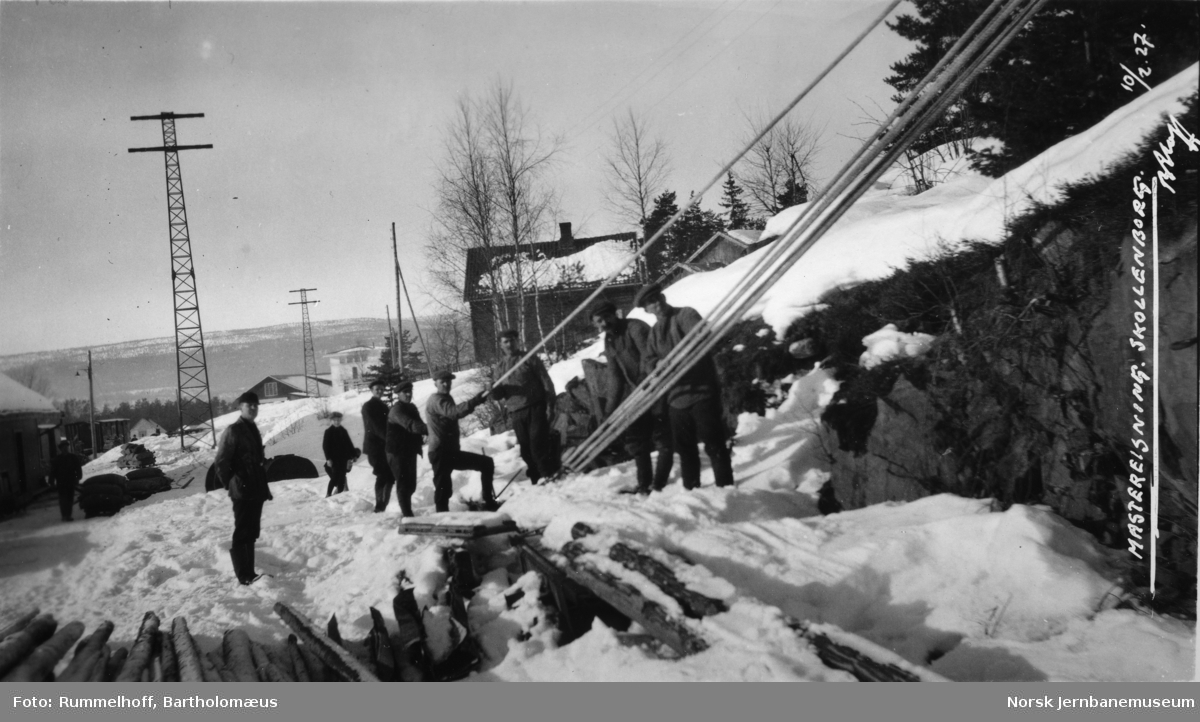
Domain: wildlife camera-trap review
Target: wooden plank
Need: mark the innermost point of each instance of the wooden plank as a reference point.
(340, 660)
(867, 661)
(457, 531)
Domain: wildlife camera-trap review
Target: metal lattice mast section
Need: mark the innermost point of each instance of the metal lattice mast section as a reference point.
(195, 403)
(310, 357)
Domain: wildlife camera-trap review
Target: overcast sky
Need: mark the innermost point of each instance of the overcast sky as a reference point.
(326, 121)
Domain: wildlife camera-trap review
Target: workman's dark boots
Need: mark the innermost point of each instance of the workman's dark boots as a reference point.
(242, 556)
(645, 472)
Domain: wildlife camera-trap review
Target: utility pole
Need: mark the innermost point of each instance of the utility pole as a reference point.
(91, 405)
(310, 357)
(192, 395)
(399, 360)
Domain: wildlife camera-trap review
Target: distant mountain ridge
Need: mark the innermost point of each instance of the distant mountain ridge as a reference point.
(236, 360)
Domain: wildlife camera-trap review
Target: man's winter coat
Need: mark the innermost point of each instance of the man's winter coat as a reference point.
(443, 415)
(374, 414)
(404, 429)
(240, 461)
(67, 469)
(530, 384)
(701, 381)
(338, 447)
(628, 352)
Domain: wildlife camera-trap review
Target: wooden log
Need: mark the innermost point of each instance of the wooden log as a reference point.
(217, 664)
(187, 656)
(693, 604)
(318, 671)
(170, 661)
(39, 665)
(412, 660)
(340, 660)
(116, 661)
(379, 646)
(298, 664)
(628, 600)
(17, 646)
(18, 624)
(280, 658)
(208, 668)
(86, 654)
(266, 669)
(867, 661)
(238, 658)
(100, 668)
(143, 648)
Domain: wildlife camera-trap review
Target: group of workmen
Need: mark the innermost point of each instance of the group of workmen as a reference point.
(689, 413)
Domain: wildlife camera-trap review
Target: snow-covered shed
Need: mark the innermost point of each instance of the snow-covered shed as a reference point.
(723, 248)
(145, 427)
(27, 437)
(286, 387)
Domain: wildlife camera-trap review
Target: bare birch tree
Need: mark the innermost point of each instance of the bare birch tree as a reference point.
(637, 167)
(778, 170)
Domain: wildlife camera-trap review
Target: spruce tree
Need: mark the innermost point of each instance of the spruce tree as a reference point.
(737, 211)
(1061, 75)
(656, 257)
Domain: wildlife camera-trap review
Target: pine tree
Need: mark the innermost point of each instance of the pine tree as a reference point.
(737, 211)
(694, 228)
(1059, 77)
(793, 194)
(664, 209)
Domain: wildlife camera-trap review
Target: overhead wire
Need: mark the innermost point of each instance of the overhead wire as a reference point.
(991, 32)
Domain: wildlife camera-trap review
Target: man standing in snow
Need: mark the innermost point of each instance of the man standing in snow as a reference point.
(445, 454)
(67, 470)
(374, 414)
(340, 452)
(627, 349)
(404, 439)
(694, 402)
(528, 395)
(240, 469)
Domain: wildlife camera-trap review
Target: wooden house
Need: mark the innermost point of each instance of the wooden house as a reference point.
(723, 248)
(554, 277)
(288, 387)
(145, 427)
(348, 367)
(28, 438)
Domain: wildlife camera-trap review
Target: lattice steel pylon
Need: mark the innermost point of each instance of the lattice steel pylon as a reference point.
(195, 403)
(310, 357)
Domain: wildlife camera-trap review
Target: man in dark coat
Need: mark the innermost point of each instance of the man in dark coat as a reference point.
(694, 402)
(374, 414)
(528, 395)
(67, 470)
(240, 469)
(405, 432)
(340, 453)
(445, 453)
(628, 352)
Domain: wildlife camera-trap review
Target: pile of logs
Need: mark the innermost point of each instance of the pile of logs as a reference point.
(142, 483)
(103, 495)
(135, 456)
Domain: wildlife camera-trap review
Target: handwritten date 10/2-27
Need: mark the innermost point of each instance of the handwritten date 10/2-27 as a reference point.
(1141, 46)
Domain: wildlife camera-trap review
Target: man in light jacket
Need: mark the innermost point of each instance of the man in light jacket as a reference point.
(445, 453)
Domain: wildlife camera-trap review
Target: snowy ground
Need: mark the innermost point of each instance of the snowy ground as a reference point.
(945, 582)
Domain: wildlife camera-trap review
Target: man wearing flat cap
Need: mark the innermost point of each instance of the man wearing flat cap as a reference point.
(374, 414)
(445, 453)
(340, 453)
(240, 469)
(528, 395)
(627, 351)
(67, 470)
(405, 432)
(694, 402)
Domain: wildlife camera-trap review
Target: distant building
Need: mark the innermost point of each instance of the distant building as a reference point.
(287, 387)
(110, 432)
(723, 248)
(348, 367)
(28, 423)
(145, 427)
(556, 276)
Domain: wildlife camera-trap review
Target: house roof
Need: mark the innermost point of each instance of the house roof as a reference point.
(745, 237)
(16, 399)
(147, 422)
(354, 349)
(480, 260)
(296, 382)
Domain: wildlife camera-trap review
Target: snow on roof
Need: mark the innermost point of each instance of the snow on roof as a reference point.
(749, 236)
(886, 229)
(298, 381)
(17, 399)
(590, 265)
(353, 349)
